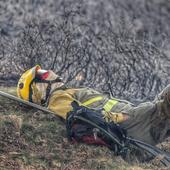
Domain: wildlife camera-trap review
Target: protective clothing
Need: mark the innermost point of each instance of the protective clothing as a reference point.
(143, 122)
(61, 99)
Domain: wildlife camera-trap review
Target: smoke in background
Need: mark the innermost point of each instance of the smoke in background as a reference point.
(114, 45)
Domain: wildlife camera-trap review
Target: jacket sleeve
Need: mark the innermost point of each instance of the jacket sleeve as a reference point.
(60, 103)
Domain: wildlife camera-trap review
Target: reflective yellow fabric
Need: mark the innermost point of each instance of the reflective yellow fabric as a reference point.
(60, 102)
(109, 104)
(90, 101)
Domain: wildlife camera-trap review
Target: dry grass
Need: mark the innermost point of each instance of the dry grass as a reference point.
(33, 140)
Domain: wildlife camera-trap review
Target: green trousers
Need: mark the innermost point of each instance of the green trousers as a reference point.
(150, 121)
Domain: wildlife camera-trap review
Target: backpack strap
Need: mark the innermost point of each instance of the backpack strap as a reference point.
(88, 125)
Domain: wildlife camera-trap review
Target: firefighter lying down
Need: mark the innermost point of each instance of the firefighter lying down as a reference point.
(148, 122)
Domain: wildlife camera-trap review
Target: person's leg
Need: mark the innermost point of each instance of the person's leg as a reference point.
(160, 129)
(150, 121)
(139, 124)
(161, 95)
(163, 104)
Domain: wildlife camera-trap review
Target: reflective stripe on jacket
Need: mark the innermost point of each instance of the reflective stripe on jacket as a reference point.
(60, 102)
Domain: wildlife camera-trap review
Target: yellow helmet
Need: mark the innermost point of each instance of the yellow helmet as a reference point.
(24, 83)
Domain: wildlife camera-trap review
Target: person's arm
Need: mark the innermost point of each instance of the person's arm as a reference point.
(60, 103)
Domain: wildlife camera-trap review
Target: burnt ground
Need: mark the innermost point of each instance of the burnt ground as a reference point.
(30, 139)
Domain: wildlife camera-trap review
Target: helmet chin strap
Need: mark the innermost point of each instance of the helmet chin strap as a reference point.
(48, 89)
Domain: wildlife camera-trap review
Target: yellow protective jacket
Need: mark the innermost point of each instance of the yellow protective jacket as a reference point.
(113, 109)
